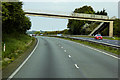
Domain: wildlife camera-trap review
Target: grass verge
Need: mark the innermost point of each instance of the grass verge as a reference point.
(102, 47)
(14, 47)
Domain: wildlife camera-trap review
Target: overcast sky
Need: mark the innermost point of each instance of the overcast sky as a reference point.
(70, 0)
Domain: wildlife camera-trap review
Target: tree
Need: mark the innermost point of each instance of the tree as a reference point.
(37, 32)
(102, 12)
(116, 28)
(75, 26)
(14, 19)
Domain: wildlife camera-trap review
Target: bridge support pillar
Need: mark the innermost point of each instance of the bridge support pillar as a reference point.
(111, 29)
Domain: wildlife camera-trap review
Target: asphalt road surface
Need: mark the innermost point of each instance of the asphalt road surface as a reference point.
(113, 42)
(58, 58)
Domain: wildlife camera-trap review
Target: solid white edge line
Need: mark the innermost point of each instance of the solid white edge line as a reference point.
(12, 75)
(94, 49)
(76, 66)
(103, 52)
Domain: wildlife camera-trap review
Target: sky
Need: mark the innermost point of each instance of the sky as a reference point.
(70, 0)
(62, 7)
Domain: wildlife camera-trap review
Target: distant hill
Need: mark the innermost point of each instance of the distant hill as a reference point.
(30, 32)
(33, 31)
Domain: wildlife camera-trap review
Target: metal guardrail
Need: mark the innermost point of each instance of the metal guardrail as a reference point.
(102, 43)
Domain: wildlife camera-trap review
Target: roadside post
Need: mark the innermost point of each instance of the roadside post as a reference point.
(4, 47)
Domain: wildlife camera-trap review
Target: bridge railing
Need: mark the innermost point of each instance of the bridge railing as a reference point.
(94, 16)
(90, 16)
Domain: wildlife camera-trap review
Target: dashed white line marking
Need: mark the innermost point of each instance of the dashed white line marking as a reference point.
(76, 66)
(95, 49)
(69, 56)
(64, 50)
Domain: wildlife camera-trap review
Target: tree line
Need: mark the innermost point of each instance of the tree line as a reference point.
(76, 27)
(14, 19)
(65, 31)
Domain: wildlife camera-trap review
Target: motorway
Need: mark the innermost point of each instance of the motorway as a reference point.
(58, 58)
(112, 42)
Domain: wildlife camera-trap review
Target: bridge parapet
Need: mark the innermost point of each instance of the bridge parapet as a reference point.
(90, 15)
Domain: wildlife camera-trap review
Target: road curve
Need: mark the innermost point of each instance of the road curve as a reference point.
(58, 58)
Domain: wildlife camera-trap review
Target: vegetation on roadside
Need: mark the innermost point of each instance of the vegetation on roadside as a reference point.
(14, 27)
(106, 48)
(14, 47)
(65, 31)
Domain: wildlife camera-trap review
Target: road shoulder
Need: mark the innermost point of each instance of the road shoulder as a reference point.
(6, 72)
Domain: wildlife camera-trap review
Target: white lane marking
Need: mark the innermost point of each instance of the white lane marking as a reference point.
(64, 50)
(13, 74)
(93, 49)
(69, 56)
(61, 47)
(76, 66)
(102, 52)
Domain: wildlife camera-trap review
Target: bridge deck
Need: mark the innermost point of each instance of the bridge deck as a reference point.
(68, 17)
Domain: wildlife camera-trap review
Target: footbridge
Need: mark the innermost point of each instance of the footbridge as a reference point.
(78, 16)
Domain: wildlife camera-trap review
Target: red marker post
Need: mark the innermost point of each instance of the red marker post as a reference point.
(4, 47)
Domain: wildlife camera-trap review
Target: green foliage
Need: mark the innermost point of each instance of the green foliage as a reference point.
(76, 26)
(14, 27)
(56, 32)
(37, 32)
(103, 12)
(15, 44)
(85, 9)
(116, 28)
(65, 31)
(13, 18)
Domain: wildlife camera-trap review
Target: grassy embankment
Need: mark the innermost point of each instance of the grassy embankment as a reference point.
(16, 44)
(106, 48)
